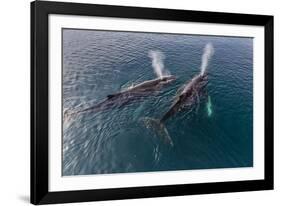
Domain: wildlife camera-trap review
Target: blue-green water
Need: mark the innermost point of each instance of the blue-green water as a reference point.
(99, 63)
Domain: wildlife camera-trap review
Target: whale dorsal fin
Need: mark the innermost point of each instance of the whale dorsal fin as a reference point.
(112, 95)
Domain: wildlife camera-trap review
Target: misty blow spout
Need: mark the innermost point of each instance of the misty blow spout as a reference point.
(157, 58)
(208, 53)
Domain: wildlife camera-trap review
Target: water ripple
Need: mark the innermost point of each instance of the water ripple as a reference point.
(99, 63)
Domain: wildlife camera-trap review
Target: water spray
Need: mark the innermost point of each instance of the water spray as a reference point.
(208, 53)
(157, 58)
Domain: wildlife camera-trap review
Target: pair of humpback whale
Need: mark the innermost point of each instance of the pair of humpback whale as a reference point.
(187, 96)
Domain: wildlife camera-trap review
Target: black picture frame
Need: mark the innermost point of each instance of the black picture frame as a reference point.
(40, 108)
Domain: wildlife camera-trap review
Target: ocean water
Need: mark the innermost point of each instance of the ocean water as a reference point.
(219, 134)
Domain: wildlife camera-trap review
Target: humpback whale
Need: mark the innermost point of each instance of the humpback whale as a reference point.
(134, 93)
(130, 95)
(186, 97)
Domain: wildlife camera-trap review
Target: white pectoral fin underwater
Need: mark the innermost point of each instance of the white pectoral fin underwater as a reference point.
(209, 107)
